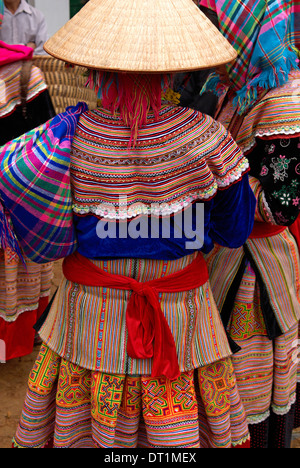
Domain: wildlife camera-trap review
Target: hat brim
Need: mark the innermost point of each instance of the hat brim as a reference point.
(141, 36)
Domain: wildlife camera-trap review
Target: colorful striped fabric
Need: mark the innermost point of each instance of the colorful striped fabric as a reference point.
(10, 86)
(263, 34)
(199, 409)
(181, 157)
(277, 260)
(24, 294)
(280, 272)
(296, 6)
(277, 114)
(265, 369)
(35, 187)
(87, 325)
(263, 384)
(21, 287)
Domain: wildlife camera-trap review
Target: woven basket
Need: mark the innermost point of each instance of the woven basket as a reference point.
(66, 84)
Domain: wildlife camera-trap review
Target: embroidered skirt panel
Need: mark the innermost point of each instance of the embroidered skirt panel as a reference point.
(266, 370)
(77, 408)
(265, 367)
(277, 260)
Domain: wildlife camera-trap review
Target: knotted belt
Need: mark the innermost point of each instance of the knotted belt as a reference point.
(149, 335)
(261, 230)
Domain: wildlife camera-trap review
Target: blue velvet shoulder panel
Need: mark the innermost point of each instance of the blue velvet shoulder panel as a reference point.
(227, 219)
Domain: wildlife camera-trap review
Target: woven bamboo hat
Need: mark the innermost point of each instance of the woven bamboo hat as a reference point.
(142, 36)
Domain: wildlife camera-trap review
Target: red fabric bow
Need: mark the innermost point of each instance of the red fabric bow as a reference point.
(149, 335)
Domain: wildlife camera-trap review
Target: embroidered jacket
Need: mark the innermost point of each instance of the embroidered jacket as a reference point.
(143, 203)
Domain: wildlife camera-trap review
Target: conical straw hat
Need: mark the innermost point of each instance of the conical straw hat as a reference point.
(142, 36)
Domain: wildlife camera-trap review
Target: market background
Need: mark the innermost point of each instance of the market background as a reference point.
(66, 9)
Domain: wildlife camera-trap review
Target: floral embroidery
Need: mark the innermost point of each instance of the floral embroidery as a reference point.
(280, 166)
(276, 164)
(264, 171)
(270, 149)
(281, 219)
(296, 201)
(288, 193)
(285, 199)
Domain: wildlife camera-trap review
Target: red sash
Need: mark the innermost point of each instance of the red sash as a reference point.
(265, 230)
(149, 335)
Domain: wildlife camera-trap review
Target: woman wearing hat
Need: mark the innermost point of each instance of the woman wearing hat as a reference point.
(259, 301)
(134, 352)
(24, 289)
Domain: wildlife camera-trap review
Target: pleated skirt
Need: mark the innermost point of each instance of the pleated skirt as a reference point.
(266, 367)
(68, 406)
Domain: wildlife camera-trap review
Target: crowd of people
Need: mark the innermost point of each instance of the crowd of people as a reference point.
(175, 209)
